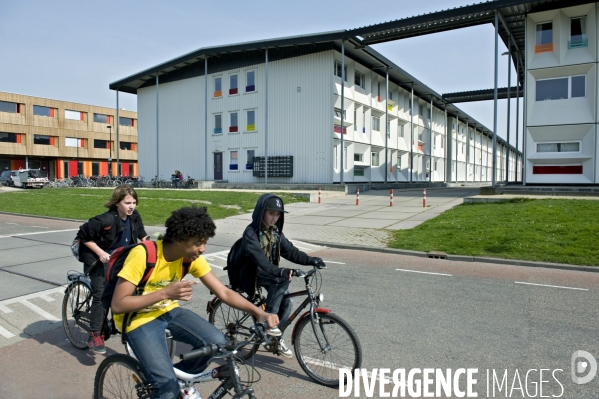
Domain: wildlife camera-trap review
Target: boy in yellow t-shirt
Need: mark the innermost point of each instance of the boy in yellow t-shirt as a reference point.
(187, 231)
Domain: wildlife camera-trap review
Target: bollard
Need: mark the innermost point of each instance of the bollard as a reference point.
(391, 199)
(358, 197)
(319, 195)
(424, 199)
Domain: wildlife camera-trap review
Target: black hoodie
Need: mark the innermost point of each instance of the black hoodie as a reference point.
(252, 251)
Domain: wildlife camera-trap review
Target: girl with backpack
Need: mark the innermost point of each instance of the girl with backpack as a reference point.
(120, 226)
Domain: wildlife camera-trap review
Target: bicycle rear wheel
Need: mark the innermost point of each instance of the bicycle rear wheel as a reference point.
(235, 325)
(76, 306)
(120, 376)
(344, 351)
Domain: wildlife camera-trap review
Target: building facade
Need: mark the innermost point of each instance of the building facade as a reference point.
(286, 102)
(561, 96)
(64, 138)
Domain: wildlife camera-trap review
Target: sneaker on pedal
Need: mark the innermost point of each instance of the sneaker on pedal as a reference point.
(274, 332)
(284, 350)
(96, 343)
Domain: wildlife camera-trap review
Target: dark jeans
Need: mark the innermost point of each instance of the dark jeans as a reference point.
(276, 287)
(98, 278)
(149, 346)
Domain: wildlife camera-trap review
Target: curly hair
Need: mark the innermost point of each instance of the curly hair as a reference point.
(187, 222)
(119, 194)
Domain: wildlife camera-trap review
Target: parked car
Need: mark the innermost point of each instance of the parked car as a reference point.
(6, 177)
(27, 178)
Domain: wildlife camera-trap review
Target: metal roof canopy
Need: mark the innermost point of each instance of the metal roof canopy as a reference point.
(482, 95)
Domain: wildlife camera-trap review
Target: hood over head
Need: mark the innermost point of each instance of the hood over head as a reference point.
(271, 202)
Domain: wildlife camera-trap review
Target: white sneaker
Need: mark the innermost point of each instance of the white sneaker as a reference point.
(284, 350)
(273, 332)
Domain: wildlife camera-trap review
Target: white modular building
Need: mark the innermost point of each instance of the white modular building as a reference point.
(561, 96)
(320, 108)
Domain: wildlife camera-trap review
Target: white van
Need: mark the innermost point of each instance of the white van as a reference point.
(30, 178)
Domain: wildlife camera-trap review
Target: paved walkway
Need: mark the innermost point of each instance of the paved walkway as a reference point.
(339, 220)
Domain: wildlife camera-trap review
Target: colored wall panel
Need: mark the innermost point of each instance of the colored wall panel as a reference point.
(17, 164)
(557, 170)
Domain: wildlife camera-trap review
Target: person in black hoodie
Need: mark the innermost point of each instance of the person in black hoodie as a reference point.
(263, 244)
(121, 225)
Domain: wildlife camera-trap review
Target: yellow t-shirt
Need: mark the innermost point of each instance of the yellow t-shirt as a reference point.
(164, 273)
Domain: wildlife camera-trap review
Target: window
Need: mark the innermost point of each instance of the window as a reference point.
(355, 120)
(399, 162)
(558, 147)
(75, 115)
(102, 144)
(435, 166)
(359, 172)
(336, 160)
(6, 106)
(126, 121)
(218, 127)
(233, 126)
(95, 168)
(374, 159)
(359, 79)
(73, 142)
(344, 157)
(421, 110)
(101, 118)
(544, 38)
(378, 91)
(43, 111)
(233, 84)
(442, 141)
(401, 127)
(250, 160)
(250, 81)
(233, 161)
(43, 140)
(462, 148)
(338, 113)
(251, 121)
(390, 94)
(218, 87)
(337, 70)
(358, 157)
(578, 33)
(376, 123)
(561, 88)
(10, 137)
(125, 145)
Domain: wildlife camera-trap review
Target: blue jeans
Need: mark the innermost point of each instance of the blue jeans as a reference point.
(274, 301)
(149, 345)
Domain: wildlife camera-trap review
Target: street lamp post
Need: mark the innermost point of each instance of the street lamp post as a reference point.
(110, 155)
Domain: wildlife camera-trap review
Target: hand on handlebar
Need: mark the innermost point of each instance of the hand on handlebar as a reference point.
(318, 263)
(298, 273)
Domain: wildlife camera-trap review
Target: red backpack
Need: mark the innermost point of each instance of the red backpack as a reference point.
(115, 265)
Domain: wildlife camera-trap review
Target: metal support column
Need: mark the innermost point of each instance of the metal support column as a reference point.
(494, 172)
(517, 114)
(430, 144)
(386, 122)
(118, 122)
(266, 117)
(457, 130)
(157, 134)
(411, 132)
(467, 143)
(206, 119)
(444, 140)
(474, 155)
(509, 101)
(342, 108)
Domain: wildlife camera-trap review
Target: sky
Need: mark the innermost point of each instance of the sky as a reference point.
(72, 50)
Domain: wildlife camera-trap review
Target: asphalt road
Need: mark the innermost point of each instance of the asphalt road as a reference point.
(409, 313)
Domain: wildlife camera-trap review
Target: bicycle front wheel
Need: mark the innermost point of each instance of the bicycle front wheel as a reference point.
(235, 325)
(120, 376)
(342, 350)
(76, 314)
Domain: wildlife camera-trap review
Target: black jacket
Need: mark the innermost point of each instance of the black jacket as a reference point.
(251, 253)
(103, 230)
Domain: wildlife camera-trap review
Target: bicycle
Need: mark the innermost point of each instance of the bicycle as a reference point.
(121, 376)
(76, 313)
(323, 342)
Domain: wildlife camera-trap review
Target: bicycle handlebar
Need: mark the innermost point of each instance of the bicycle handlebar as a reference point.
(259, 329)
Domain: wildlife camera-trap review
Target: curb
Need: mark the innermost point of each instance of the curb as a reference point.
(41, 217)
(461, 258)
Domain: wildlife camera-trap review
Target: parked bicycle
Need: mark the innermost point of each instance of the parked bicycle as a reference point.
(323, 341)
(121, 376)
(76, 313)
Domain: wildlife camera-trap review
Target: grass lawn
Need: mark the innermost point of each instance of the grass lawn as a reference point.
(155, 206)
(548, 230)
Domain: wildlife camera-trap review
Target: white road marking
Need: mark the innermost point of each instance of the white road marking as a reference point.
(41, 294)
(330, 261)
(220, 257)
(38, 232)
(39, 310)
(311, 245)
(218, 267)
(12, 223)
(41, 227)
(5, 333)
(305, 249)
(416, 271)
(47, 298)
(552, 286)
(333, 366)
